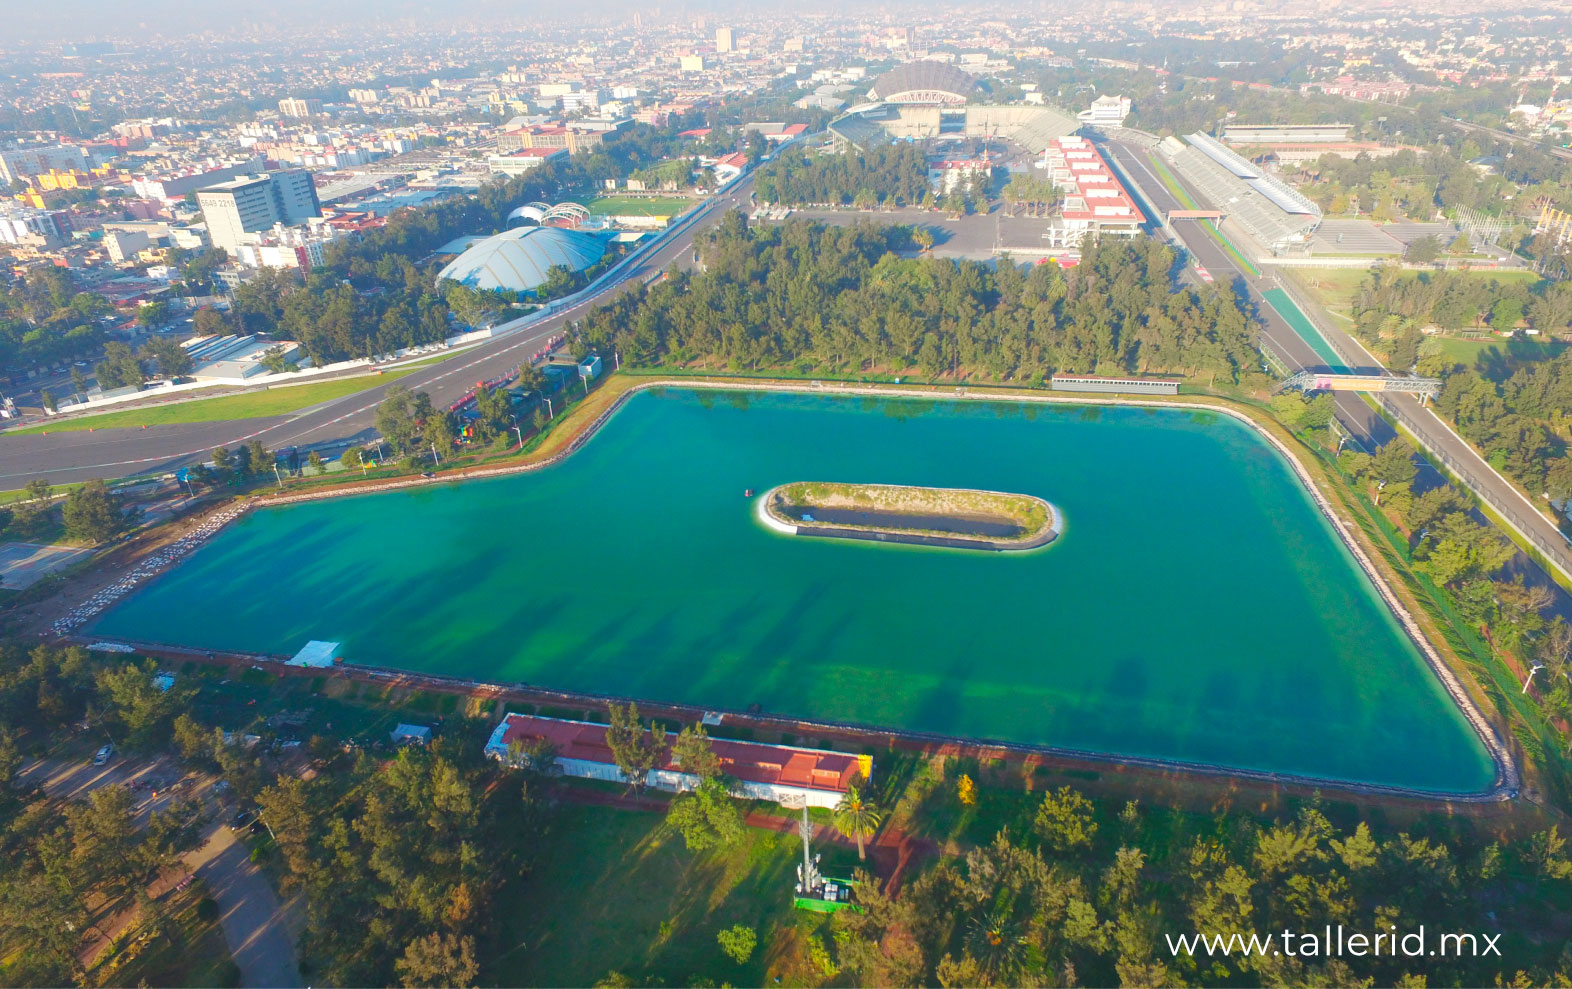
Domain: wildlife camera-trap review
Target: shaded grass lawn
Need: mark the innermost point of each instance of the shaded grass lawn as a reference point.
(1469, 352)
(275, 401)
(613, 891)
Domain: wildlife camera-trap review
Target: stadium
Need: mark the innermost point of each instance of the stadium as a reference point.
(933, 102)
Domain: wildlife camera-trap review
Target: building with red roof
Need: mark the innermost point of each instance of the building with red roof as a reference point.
(782, 773)
(1095, 201)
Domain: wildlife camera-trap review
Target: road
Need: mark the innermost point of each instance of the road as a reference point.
(77, 456)
(1365, 423)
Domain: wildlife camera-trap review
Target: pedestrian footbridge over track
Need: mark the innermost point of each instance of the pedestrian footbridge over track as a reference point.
(1333, 381)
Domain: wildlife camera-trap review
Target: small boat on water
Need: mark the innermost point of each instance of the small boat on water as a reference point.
(747, 493)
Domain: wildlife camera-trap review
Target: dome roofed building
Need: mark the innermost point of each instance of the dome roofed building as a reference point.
(520, 260)
(924, 82)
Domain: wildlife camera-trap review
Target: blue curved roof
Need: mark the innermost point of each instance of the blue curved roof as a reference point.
(518, 260)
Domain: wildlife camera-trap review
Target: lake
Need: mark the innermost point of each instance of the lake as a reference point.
(1196, 608)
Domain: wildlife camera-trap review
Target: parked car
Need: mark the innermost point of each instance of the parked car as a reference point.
(103, 755)
(241, 819)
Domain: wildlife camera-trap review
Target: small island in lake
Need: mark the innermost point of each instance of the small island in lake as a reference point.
(958, 518)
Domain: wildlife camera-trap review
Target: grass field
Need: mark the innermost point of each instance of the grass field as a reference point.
(1469, 351)
(654, 906)
(1334, 288)
(275, 401)
(637, 206)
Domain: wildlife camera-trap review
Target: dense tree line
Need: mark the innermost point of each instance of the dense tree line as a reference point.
(66, 868)
(1074, 892)
(844, 299)
(885, 174)
(428, 838)
(46, 319)
(1512, 405)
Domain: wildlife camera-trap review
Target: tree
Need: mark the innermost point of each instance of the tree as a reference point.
(692, 752)
(119, 368)
(172, 359)
(78, 382)
(400, 416)
(39, 492)
(93, 514)
(1506, 313)
(153, 315)
(439, 960)
(738, 942)
(857, 817)
(439, 434)
(1393, 466)
(46, 398)
(1423, 250)
(274, 360)
(635, 749)
(1064, 821)
(209, 322)
(130, 695)
(706, 816)
(352, 458)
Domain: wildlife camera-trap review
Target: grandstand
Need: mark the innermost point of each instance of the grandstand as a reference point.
(1032, 127)
(923, 83)
(1270, 212)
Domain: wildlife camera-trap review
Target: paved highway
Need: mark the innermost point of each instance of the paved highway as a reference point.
(1366, 425)
(78, 456)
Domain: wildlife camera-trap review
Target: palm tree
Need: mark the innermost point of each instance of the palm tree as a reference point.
(855, 816)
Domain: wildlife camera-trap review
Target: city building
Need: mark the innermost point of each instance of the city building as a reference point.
(520, 161)
(299, 108)
(575, 139)
(19, 163)
(33, 227)
(174, 185)
(247, 205)
(784, 774)
(723, 40)
(692, 63)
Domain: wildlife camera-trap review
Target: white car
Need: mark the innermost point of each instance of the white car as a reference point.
(103, 755)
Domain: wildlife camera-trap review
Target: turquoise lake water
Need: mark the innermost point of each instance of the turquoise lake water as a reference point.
(1197, 606)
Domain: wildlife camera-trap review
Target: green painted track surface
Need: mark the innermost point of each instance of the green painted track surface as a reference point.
(1300, 323)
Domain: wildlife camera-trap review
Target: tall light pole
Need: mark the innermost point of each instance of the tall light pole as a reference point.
(434, 455)
(520, 433)
(549, 414)
(279, 476)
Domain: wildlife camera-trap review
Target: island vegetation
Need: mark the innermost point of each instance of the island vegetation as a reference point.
(953, 517)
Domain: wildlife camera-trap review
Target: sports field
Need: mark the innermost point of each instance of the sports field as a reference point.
(638, 206)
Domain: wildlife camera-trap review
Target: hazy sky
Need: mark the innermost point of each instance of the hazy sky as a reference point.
(105, 20)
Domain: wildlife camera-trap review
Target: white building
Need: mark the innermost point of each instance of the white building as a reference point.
(254, 203)
(1106, 111)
